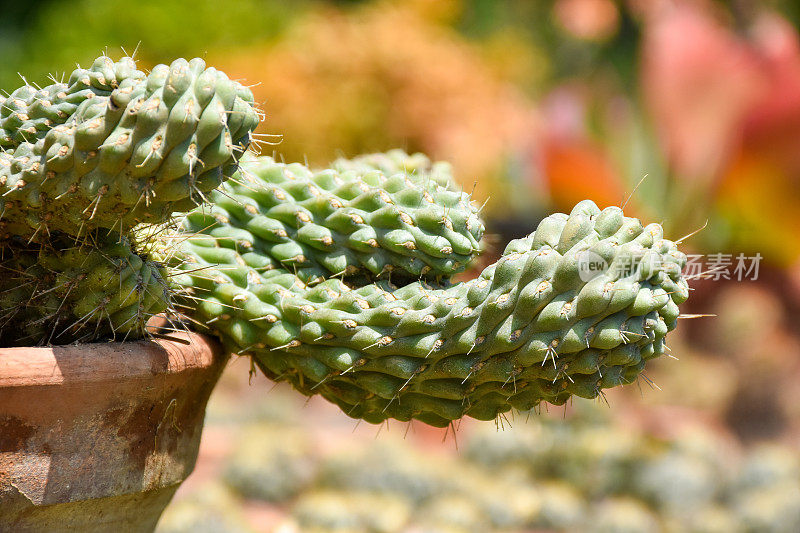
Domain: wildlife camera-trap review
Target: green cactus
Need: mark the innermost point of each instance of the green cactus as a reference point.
(86, 161)
(399, 162)
(322, 224)
(66, 292)
(533, 327)
(338, 281)
(148, 148)
(29, 112)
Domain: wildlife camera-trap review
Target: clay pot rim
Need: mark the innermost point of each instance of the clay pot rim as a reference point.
(109, 361)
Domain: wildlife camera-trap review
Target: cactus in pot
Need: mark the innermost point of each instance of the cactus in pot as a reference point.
(336, 280)
(83, 166)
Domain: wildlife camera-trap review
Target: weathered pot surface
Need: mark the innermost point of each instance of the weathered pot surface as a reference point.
(98, 437)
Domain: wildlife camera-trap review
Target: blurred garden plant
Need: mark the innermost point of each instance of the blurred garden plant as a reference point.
(396, 76)
(591, 470)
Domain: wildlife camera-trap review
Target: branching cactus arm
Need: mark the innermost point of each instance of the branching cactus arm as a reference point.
(537, 326)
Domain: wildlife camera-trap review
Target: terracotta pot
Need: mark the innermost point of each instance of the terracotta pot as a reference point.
(98, 437)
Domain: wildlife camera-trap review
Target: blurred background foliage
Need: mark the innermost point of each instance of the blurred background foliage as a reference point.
(538, 105)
